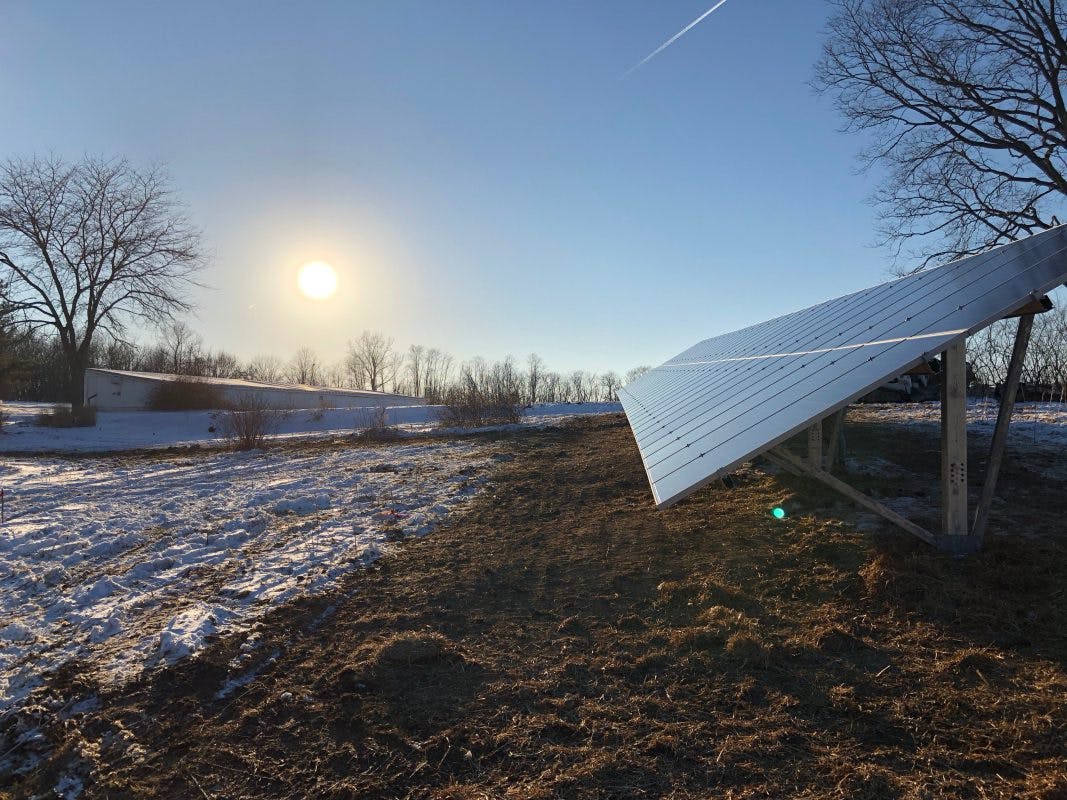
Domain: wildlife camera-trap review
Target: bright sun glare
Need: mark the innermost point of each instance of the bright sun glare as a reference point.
(317, 280)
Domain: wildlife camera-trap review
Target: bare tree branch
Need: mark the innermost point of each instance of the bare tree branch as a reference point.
(87, 248)
(965, 101)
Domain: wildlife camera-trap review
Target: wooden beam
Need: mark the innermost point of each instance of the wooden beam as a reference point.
(781, 454)
(815, 445)
(780, 463)
(1038, 306)
(954, 441)
(1000, 433)
(832, 446)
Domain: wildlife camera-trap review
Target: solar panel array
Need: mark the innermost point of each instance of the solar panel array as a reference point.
(728, 399)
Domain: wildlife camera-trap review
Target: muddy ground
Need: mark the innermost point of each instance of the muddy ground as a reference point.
(564, 639)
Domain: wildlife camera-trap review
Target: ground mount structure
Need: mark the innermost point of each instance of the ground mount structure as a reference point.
(732, 398)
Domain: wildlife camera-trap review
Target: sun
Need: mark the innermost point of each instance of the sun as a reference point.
(317, 280)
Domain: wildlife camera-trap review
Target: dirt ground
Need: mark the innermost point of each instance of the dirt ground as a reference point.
(565, 639)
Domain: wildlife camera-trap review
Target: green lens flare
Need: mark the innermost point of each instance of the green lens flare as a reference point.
(778, 512)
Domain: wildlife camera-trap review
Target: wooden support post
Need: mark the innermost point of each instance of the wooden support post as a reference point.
(954, 441)
(1000, 433)
(815, 445)
(833, 445)
(783, 456)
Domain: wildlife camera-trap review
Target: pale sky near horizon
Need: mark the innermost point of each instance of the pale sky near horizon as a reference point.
(484, 176)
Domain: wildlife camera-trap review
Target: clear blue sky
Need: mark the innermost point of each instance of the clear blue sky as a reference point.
(481, 174)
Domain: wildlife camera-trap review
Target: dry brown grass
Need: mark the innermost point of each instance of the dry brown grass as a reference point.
(564, 639)
(63, 416)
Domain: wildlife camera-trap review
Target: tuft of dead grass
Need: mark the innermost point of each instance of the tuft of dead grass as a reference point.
(63, 416)
(408, 648)
(747, 648)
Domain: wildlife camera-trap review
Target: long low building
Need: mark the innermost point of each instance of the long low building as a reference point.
(119, 390)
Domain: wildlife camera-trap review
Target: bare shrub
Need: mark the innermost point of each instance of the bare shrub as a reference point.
(373, 424)
(61, 416)
(470, 407)
(185, 394)
(248, 422)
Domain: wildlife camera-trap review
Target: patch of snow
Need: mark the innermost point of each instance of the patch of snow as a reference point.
(1031, 423)
(14, 633)
(127, 562)
(303, 505)
(1039, 429)
(245, 678)
(187, 631)
(84, 706)
(69, 787)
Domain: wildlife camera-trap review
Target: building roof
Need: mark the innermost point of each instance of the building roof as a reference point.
(238, 382)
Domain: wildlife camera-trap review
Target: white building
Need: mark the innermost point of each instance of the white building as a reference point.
(118, 390)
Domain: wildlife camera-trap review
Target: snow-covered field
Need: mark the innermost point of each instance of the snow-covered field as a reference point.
(130, 561)
(132, 430)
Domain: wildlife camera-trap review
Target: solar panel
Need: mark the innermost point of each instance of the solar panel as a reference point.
(727, 399)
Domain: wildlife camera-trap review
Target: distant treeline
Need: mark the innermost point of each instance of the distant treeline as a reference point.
(989, 353)
(35, 369)
(32, 366)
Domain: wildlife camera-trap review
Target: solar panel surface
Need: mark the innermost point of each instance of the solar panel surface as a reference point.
(727, 399)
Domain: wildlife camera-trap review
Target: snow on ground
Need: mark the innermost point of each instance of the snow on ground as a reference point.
(1038, 430)
(133, 430)
(1031, 423)
(126, 562)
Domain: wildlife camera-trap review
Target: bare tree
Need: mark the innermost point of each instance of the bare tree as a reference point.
(222, 365)
(634, 373)
(370, 358)
(120, 355)
(184, 348)
(579, 386)
(11, 367)
(266, 369)
(610, 383)
(87, 248)
(988, 352)
(535, 370)
(336, 375)
(437, 373)
(1046, 361)
(550, 387)
(964, 101)
(394, 373)
(475, 373)
(505, 379)
(415, 367)
(305, 368)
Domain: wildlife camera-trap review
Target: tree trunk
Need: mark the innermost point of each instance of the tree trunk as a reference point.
(76, 366)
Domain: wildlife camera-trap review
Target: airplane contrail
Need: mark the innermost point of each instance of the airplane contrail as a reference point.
(673, 39)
